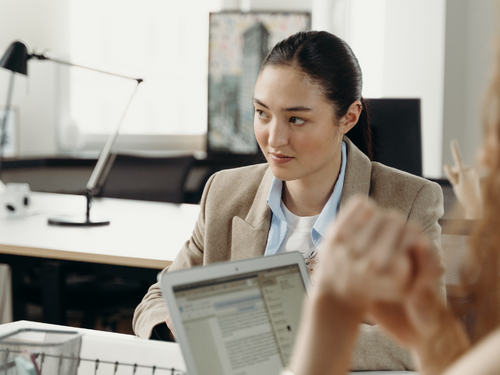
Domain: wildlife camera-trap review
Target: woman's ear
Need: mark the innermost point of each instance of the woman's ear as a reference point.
(351, 117)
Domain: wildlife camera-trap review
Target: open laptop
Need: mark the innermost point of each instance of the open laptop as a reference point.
(240, 317)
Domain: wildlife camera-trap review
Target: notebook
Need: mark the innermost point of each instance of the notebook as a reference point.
(240, 317)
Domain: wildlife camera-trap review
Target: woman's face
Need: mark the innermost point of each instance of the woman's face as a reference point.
(295, 126)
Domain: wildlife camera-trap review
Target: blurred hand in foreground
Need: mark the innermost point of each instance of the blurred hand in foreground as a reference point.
(375, 263)
(465, 183)
(368, 255)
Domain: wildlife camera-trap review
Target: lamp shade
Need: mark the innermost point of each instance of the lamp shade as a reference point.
(16, 58)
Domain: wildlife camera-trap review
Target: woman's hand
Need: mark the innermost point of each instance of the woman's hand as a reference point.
(365, 257)
(170, 326)
(465, 182)
(421, 321)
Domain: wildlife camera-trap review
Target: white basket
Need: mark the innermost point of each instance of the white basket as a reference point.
(40, 352)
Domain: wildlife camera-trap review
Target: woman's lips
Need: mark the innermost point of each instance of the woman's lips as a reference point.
(280, 159)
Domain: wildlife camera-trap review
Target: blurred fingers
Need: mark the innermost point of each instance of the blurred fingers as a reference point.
(428, 268)
(367, 232)
(455, 153)
(353, 217)
(388, 240)
(450, 175)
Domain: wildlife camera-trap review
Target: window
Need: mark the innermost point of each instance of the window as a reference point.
(164, 42)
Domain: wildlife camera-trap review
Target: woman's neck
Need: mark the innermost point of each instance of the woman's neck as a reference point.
(307, 198)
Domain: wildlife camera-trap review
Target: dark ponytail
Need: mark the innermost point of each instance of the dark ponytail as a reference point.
(361, 134)
(330, 63)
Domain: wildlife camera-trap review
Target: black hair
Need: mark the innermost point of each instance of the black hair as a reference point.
(329, 62)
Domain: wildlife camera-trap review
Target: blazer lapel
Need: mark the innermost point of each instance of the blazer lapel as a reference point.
(249, 235)
(357, 174)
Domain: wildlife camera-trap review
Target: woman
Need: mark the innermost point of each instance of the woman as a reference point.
(398, 265)
(307, 97)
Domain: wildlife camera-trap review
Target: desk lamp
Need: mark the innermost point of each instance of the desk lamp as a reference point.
(16, 60)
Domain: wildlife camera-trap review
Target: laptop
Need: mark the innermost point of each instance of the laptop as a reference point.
(240, 317)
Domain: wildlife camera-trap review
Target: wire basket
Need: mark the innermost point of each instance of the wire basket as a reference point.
(40, 352)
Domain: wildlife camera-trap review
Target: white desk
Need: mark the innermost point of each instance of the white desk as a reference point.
(141, 234)
(143, 238)
(113, 347)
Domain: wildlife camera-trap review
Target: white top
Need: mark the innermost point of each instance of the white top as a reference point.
(298, 236)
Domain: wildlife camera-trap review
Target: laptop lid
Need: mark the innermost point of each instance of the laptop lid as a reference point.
(240, 317)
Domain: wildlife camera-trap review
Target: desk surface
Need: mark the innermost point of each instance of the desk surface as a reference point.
(114, 347)
(126, 349)
(141, 234)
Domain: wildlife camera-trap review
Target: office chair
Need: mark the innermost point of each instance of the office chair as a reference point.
(396, 134)
(146, 178)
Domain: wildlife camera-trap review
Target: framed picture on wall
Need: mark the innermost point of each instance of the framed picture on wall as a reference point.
(238, 44)
(11, 128)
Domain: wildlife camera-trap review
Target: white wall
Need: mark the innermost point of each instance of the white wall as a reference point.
(43, 24)
(395, 62)
(470, 37)
(400, 47)
(414, 67)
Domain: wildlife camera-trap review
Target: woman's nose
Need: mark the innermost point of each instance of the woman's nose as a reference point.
(278, 134)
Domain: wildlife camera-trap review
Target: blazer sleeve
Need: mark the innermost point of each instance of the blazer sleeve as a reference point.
(426, 210)
(375, 351)
(152, 310)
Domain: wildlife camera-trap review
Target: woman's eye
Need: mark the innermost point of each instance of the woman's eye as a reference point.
(296, 120)
(261, 114)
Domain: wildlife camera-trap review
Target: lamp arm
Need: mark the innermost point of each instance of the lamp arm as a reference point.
(64, 62)
(3, 129)
(104, 157)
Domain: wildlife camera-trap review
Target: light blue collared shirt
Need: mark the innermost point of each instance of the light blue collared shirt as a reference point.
(278, 229)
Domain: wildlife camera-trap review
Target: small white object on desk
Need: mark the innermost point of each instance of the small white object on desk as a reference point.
(15, 198)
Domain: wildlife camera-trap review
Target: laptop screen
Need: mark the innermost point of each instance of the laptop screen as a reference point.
(244, 324)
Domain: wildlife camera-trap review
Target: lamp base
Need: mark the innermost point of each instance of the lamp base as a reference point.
(78, 221)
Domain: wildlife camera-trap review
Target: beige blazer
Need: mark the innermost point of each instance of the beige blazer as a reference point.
(234, 223)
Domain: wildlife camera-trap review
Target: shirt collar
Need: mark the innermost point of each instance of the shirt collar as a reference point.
(274, 198)
(331, 208)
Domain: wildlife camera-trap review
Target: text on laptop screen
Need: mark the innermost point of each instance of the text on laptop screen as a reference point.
(244, 324)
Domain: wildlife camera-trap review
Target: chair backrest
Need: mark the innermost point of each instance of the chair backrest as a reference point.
(396, 134)
(159, 179)
(455, 243)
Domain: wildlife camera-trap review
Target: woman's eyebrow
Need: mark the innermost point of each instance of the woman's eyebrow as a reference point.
(255, 100)
(297, 109)
(289, 109)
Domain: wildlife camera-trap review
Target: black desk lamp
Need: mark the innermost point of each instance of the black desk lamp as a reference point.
(16, 60)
